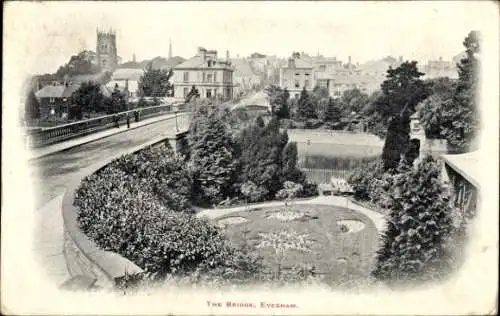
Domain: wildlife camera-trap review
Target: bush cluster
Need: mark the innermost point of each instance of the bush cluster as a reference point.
(130, 208)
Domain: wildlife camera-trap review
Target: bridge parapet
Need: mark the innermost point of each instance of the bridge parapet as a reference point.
(43, 137)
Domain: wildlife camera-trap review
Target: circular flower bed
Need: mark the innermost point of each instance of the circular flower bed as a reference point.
(351, 226)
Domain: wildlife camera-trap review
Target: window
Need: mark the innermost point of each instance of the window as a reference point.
(307, 75)
(186, 92)
(322, 68)
(306, 83)
(209, 78)
(204, 77)
(186, 76)
(297, 74)
(209, 93)
(52, 100)
(215, 77)
(297, 85)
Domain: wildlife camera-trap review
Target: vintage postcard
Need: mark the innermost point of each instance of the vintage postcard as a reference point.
(250, 158)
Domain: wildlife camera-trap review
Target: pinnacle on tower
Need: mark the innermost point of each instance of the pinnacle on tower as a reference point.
(170, 49)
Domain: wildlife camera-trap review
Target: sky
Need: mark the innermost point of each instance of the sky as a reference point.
(53, 31)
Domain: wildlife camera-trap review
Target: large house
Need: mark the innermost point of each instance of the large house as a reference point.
(212, 77)
(295, 75)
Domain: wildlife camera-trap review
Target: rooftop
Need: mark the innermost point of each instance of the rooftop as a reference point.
(132, 74)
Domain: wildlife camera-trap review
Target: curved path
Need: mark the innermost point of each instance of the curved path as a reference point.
(377, 218)
(53, 173)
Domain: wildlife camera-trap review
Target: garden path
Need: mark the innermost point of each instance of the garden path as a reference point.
(377, 218)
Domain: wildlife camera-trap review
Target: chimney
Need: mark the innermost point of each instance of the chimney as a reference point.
(202, 52)
(291, 63)
(400, 59)
(227, 54)
(349, 60)
(126, 84)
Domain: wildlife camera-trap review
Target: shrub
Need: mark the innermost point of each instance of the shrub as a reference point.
(120, 216)
(163, 174)
(252, 192)
(290, 191)
(361, 179)
(415, 241)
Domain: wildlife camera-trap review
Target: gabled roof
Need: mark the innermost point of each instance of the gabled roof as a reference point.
(299, 63)
(51, 91)
(199, 62)
(242, 68)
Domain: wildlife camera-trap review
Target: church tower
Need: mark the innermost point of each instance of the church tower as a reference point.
(107, 57)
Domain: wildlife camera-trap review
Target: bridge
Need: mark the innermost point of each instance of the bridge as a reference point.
(60, 154)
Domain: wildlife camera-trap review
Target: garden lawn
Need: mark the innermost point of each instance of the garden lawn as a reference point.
(337, 256)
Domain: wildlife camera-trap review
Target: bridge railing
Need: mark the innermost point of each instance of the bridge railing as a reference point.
(48, 136)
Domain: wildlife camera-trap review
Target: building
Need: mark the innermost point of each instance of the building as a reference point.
(245, 78)
(440, 68)
(212, 77)
(295, 75)
(55, 99)
(462, 174)
(107, 57)
(127, 80)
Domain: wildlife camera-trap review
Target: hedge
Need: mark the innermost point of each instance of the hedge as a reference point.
(120, 210)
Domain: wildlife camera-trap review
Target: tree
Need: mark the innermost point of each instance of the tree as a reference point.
(460, 119)
(31, 107)
(401, 92)
(278, 99)
(431, 109)
(89, 97)
(118, 102)
(305, 107)
(211, 158)
(155, 82)
(193, 94)
(333, 112)
(353, 100)
(79, 64)
(261, 156)
(414, 245)
(290, 170)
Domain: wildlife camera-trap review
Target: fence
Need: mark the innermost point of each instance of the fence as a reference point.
(44, 137)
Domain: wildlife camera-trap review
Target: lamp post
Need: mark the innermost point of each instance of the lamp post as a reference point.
(176, 125)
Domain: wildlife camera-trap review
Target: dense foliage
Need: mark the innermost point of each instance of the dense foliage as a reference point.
(123, 212)
(89, 97)
(212, 161)
(155, 82)
(414, 245)
(401, 92)
(31, 107)
(452, 112)
(278, 99)
(79, 64)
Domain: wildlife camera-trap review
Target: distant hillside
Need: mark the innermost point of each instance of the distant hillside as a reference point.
(158, 63)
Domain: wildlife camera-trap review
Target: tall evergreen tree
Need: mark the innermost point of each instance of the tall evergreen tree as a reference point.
(414, 245)
(118, 102)
(291, 172)
(89, 97)
(305, 106)
(31, 107)
(211, 159)
(401, 92)
(333, 112)
(460, 118)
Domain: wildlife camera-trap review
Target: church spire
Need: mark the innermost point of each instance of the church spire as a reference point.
(170, 49)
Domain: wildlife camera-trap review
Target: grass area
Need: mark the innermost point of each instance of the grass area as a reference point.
(318, 239)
